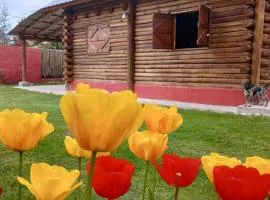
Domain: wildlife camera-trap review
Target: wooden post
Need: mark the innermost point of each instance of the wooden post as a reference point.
(23, 60)
(68, 45)
(257, 43)
(131, 46)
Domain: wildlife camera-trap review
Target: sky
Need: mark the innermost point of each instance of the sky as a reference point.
(22, 8)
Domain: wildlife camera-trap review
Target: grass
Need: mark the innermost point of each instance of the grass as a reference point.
(201, 134)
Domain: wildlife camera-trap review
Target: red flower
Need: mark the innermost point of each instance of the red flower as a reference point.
(112, 177)
(1, 190)
(180, 172)
(241, 182)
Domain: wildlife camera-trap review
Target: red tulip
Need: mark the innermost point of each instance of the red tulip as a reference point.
(241, 182)
(112, 177)
(180, 172)
(1, 190)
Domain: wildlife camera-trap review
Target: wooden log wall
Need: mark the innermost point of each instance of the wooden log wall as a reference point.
(226, 62)
(101, 67)
(265, 62)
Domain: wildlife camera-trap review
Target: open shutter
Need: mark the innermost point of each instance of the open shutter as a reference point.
(162, 31)
(203, 26)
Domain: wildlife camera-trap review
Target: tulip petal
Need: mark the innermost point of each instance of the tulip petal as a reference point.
(112, 177)
(69, 111)
(22, 131)
(240, 183)
(180, 172)
(161, 119)
(82, 88)
(75, 150)
(29, 186)
(261, 164)
(64, 195)
(55, 179)
(148, 145)
(100, 121)
(214, 160)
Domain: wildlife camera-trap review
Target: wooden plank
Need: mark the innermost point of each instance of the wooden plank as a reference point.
(258, 40)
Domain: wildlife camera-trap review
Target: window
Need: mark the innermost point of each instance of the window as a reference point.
(183, 30)
(98, 39)
(187, 37)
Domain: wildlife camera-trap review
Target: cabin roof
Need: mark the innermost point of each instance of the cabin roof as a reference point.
(47, 23)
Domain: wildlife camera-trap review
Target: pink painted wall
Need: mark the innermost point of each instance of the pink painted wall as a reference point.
(11, 64)
(203, 95)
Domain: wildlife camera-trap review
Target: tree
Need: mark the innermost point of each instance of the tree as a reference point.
(4, 25)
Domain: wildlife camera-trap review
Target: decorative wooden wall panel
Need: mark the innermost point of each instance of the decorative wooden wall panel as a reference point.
(98, 39)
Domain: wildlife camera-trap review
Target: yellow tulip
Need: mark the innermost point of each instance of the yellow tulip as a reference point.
(21, 131)
(214, 160)
(100, 121)
(75, 150)
(161, 119)
(148, 145)
(51, 182)
(82, 88)
(261, 164)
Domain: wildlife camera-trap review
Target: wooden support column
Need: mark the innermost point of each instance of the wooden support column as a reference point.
(24, 60)
(68, 45)
(131, 45)
(257, 43)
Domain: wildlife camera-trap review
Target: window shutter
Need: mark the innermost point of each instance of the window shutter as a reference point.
(162, 31)
(98, 39)
(203, 26)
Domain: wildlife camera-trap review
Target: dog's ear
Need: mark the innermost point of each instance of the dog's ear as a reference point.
(247, 85)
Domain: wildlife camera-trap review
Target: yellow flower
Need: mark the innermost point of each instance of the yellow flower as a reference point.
(21, 131)
(161, 119)
(214, 160)
(82, 88)
(75, 150)
(148, 145)
(51, 182)
(261, 164)
(100, 121)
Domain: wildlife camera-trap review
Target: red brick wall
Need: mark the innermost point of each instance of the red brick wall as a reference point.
(11, 64)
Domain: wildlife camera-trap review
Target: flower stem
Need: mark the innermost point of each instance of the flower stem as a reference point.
(154, 182)
(145, 179)
(20, 174)
(80, 168)
(90, 176)
(176, 193)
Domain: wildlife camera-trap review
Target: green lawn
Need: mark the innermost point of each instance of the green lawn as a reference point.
(201, 134)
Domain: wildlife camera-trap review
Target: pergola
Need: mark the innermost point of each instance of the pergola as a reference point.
(45, 24)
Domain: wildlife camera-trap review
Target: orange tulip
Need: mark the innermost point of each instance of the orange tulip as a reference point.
(148, 145)
(161, 119)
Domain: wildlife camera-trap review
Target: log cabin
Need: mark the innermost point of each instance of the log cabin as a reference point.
(199, 51)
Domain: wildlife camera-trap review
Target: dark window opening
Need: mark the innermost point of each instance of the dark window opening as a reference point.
(186, 30)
